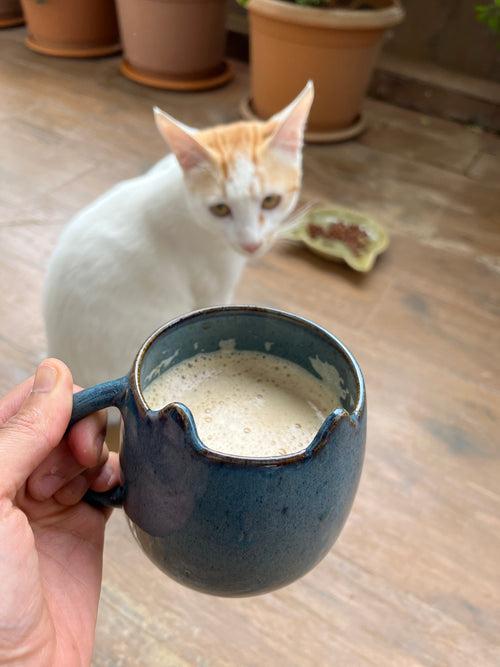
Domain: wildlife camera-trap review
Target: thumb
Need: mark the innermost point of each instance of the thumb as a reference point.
(38, 427)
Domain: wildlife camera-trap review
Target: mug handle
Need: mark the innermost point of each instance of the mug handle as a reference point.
(87, 401)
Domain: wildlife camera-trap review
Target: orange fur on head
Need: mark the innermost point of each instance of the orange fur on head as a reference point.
(232, 170)
(230, 145)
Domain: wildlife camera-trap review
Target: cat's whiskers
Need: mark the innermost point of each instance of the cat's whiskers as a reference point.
(296, 217)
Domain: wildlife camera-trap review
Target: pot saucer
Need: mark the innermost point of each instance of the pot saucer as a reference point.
(11, 21)
(332, 136)
(73, 52)
(223, 76)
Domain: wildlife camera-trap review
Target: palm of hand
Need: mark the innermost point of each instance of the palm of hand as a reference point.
(52, 583)
(50, 541)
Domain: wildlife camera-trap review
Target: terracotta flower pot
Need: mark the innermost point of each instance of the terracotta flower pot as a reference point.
(11, 13)
(174, 44)
(72, 28)
(336, 48)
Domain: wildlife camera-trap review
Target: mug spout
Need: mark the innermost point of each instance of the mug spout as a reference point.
(178, 416)
(177, 412)
(332, 423)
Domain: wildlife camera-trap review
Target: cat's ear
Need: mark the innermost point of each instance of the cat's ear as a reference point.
(182, 141)
(288, 136)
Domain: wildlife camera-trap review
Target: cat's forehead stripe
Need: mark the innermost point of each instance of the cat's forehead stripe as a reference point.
(245, 168)
(242, 137)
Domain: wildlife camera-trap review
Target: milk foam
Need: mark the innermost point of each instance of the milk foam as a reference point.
(246, 403)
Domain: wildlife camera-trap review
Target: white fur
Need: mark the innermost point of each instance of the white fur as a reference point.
(242, 177)
(127, 264)
(150, 250)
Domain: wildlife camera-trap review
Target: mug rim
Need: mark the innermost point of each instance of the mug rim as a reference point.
(324, 431)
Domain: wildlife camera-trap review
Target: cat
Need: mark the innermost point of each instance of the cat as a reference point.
(173, 240)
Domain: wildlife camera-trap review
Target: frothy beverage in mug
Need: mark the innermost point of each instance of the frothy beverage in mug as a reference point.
(246, 403)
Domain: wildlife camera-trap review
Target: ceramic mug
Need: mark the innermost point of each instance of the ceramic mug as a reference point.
(221, 524)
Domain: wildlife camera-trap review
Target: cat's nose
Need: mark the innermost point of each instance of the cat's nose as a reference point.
(251, 247)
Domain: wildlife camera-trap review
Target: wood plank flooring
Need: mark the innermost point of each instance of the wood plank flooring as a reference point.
(414, 579)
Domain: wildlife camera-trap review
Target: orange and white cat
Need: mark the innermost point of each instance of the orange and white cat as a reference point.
(173, 240)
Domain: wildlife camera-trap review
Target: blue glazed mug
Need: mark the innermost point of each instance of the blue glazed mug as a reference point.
(229, 525)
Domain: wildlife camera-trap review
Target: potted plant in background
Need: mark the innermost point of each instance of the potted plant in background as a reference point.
(333, 42)
(489, 14)
(11, 13)
(174, 44)
(72, 28)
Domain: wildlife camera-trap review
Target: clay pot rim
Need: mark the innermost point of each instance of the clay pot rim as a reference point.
(183, 84)
(322, 17)
(312, 136)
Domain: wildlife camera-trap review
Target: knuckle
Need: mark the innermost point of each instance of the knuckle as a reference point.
(27, 424)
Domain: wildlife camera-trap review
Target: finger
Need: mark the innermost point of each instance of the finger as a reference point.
(29, 435)
(82, 449)
(59, 468)
(11, 403)
(73, 491)
(86, 438)
(13, 400)
(102, 478)
(109, 475)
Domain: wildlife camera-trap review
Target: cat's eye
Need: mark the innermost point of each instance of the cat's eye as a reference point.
(271, 201)
(220, 210)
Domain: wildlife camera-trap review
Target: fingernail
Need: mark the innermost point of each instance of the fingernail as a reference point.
(105, 478)
(45, 379)
(107, 474)
(111, 475)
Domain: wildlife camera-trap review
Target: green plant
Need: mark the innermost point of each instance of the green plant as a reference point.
(490, 15)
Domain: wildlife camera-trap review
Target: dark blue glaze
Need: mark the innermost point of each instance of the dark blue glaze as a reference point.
(228, 525)
(100, 396)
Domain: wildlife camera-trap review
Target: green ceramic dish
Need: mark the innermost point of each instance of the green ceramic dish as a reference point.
(339, 234)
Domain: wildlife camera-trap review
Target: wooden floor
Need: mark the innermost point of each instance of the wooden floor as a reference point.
(415, 577)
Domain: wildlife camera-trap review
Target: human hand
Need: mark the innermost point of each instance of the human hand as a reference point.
(50, 543)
